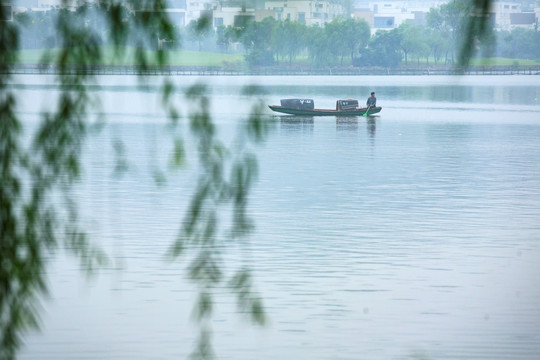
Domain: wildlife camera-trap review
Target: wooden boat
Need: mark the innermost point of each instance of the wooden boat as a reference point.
(306, 107)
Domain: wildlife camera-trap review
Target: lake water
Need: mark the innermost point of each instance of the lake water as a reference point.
(414, 234)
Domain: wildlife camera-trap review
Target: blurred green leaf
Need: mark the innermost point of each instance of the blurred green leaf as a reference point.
(179, 154)
(40, 217)
(160, 179)
(204, 306)
(251, 90)
(203, 350)
(121, 164)
(248, 302)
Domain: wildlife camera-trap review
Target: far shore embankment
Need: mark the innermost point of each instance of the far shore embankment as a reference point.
(269, 71)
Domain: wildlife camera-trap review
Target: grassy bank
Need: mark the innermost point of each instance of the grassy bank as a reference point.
(175, 57)
(503, 62)
(474, 62)
(236, 61)
(303, 60)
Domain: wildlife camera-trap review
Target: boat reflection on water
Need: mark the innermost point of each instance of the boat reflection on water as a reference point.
(343, 123)
(295, 119)
(353, 122)
(347, 123)
(297, 123)
(371, 127)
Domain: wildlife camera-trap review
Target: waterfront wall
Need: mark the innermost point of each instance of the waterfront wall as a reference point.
(202, 70)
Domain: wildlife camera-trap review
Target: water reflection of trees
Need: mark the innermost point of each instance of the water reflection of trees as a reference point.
(302, 124)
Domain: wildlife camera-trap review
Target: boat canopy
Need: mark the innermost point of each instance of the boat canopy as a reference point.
(300, 104)
(346, 105)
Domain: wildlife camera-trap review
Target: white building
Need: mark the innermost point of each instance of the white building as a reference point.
(502, 11)
(176, 10)
(305, 11)
(195, 9)
(232, 14)
(510, 14)
(390, 14)
(537, 11)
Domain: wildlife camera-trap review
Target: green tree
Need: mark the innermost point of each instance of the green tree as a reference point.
(437, 43)
(356, 34)
(334, 31)
(438, 21)
(199, 30)
(425, 49)
(293, 38)
(410, 40)
(347, 36)
(255, 40)
(520, 43)
(225, 36)
(464, 23)
(278, 39)
(413, 41)
(318, 46)
(384, 49)
(34, 221)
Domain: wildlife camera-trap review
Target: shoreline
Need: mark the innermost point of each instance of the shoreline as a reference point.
(38, 69)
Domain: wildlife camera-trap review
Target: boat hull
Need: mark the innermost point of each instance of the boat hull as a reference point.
(324, 112)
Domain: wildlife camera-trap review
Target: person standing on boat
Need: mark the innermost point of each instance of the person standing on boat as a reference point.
(372, 100)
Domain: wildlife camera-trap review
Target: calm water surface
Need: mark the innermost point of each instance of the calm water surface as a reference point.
(414, 234)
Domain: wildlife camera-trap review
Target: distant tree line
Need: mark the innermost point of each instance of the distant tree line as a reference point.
(338, 43)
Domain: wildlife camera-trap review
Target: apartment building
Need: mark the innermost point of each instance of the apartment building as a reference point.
(305, 11)
(511, 14)
(390, 14)
(232, 14)
(379, 14)
(536, 10)
(502, 11)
